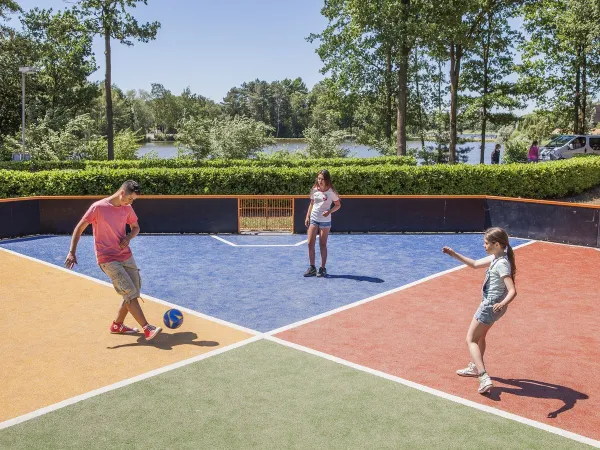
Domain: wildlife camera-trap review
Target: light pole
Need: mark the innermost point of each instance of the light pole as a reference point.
(24, 70)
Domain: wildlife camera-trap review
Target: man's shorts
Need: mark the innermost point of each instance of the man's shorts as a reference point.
(125, 277)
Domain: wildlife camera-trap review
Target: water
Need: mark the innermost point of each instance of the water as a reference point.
(169, 150)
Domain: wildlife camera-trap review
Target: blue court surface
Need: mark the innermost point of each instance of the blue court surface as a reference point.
(257, 282)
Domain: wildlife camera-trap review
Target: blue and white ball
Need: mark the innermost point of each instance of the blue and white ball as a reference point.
(173, 318)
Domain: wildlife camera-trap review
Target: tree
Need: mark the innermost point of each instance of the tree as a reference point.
(486, 68)
(7, 7)
(457, 29)
(167, 110)
(62, 48)
(110, 19)
(367, 46)
(561, 59)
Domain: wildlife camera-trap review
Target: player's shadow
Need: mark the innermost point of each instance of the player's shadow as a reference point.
(166, 341)
(539, 389)
(357, 278)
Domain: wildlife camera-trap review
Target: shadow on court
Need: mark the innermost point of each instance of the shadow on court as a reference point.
(357, 278)
(166, 341)
(538, 389)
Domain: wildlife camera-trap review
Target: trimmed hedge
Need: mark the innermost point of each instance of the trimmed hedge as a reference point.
(36, 166)
(544, 180)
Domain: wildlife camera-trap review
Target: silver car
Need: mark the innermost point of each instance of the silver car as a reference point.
(565, 146)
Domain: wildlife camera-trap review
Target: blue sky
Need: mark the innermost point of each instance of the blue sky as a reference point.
(212, 46)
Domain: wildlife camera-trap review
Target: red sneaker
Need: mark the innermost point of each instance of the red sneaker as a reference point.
(150, 331)
(121, 328)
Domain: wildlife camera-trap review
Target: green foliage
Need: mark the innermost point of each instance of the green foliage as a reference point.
(227, 138)
(561, 57)
(515, 149)
(548, 180)
(281, 104)
(38, 165)
(76, 141)
(325, 144)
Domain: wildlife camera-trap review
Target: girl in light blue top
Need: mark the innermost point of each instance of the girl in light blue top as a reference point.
(497, 292)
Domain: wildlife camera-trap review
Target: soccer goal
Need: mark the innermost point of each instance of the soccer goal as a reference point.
(265, 214)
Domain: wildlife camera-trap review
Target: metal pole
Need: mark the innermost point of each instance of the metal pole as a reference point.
(23, 110)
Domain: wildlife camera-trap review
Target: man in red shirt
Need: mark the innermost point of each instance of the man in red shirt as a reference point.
(111, 243)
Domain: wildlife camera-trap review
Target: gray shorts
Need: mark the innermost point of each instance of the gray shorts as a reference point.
(485, 313)
(125, 277)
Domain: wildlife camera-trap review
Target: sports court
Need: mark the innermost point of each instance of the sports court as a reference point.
(266, 358)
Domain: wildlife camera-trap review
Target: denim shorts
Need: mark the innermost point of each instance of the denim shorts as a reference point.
(320, 224)
(485, 313)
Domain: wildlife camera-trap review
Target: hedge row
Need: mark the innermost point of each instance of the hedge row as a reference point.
(544, 180)
(36, 166)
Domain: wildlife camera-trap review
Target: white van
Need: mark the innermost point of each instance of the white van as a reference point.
(565, 146)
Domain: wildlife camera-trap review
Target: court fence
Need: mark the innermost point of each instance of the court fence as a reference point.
(567, 223)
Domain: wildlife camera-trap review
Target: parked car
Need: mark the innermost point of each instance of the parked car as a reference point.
(565, 146)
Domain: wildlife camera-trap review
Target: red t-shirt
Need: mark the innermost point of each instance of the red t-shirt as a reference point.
(108, 223)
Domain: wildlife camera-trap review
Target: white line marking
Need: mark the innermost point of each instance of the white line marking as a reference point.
(144, 296)
(120, 384)
(223, 240)
(569, 245)
(257, 245)
(374, 297)
(268, 336)
(441, 394)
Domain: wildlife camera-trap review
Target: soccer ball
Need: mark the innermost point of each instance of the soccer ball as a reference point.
(173, 318)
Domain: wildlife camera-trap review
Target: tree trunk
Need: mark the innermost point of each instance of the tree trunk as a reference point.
(402, 100)
(420, 106)
(486, 54)
(388, 95)
(577, 91)
(455, 59)
(109, 106)
(439, 87)
(584, 94)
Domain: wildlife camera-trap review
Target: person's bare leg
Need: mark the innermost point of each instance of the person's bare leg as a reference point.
(323, 234)
(312, 237)
(123, 311)
(482, 346)
(136, 311)
(475, 338)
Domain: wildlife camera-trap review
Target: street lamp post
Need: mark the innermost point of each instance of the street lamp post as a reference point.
(24, 70)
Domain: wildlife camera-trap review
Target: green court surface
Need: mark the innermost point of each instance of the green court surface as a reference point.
(265, 395)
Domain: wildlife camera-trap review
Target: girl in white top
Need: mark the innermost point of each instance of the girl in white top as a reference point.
(324, 201)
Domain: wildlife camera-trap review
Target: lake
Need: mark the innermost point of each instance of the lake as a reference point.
(168, 149)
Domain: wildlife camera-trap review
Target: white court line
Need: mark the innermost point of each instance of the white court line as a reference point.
(120, 384)
(441, 394)
(144, 296)
(268, 336)
(257, 245)
(375, 297)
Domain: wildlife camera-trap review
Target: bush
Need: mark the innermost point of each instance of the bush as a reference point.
(36, 166)
(515, 149)
(556, 179)
(228, 138)
(325, 144)
(76, 141)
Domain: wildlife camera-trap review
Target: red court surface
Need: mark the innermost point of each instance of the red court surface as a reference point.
(544, 354)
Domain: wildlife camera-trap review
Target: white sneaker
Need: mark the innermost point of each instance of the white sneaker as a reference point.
(469, 371)
(485, 383)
